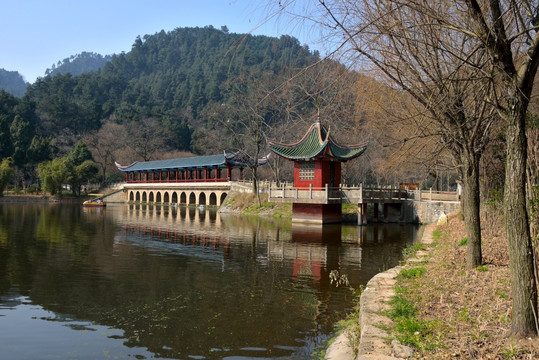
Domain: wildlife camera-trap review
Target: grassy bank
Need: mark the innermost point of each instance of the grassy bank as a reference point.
(247, 204)
(445, 311)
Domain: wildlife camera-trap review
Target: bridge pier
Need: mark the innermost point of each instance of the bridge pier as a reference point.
(362, 214)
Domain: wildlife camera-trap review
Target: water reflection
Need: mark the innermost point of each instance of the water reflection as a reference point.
(181, 282)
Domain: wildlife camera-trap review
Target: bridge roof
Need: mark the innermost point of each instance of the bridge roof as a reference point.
(317, 143)
(222, 160)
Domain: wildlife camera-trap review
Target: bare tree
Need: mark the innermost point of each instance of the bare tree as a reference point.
(147, 137)
(105, 145)
(459, 60)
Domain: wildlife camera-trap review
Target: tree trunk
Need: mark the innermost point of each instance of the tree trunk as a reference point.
(471, 209)
(521, 259)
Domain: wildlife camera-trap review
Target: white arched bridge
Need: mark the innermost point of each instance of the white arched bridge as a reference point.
(202, 193)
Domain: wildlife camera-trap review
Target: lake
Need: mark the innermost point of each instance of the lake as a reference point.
(145, 282)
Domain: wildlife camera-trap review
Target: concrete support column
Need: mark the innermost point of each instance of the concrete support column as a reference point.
(362, 214)
(386, 213)
(376, 207)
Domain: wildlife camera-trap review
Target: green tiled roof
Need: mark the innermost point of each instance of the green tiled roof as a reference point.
(189, 163)
(234, 160)
(317, 143)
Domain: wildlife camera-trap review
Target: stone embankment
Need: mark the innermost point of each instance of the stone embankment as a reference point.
(374, 343)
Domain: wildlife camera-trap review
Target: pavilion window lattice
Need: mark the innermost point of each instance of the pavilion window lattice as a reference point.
(306, 170)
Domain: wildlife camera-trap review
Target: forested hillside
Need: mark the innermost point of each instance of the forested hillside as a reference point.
(12, 82)
(205, 90)
(170, 93)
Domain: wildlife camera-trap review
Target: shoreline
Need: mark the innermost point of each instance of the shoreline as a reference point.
(373, 343)
(37, 199)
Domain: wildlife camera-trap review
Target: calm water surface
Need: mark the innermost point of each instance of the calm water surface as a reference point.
(141, 282)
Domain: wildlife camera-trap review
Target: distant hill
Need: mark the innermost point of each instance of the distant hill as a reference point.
(12, 82)
(183, 71)
(79, 64)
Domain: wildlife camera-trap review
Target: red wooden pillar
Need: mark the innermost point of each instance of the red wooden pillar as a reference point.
(168, 174)
(205, 173)
(196, 174)
(126, 177)
(177, 174)
(217, 173)
(160, 175)
(147, 176)
(228, 172)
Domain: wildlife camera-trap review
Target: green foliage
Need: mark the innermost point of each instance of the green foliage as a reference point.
(80, 166)
(411, 250)
(349, 208)
(412, 273)
(21, 136)
(6, 172)
(463, 241)
(482, 268)
(53, 174)
(72, 169)
(183, 69)
(408, 328)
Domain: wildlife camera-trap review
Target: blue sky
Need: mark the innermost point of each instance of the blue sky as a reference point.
(38, 33)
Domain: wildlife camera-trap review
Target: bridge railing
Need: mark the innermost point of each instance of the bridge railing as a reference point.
(354, 194)
(430, 195)
(168, 181)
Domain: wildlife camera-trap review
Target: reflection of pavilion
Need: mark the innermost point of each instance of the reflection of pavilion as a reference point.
(209, 231)
(311, 251)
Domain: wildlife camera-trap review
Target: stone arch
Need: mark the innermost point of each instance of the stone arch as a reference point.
(202, 198)
(192, 198)
(158, 197)
(183, 198)
(174, 199)
(213, 199)
(137, 196)
(166, 198)
(151, 197)
(223, 198)
(131, 196)
(144, 196)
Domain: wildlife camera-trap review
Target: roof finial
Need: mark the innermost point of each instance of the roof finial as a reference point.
(318, 117)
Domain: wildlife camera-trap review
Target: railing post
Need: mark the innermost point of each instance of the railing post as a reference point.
(361, 193)
(430, 194)
(310, 191)
(282, 186)
(297, 193)
(327, 192)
